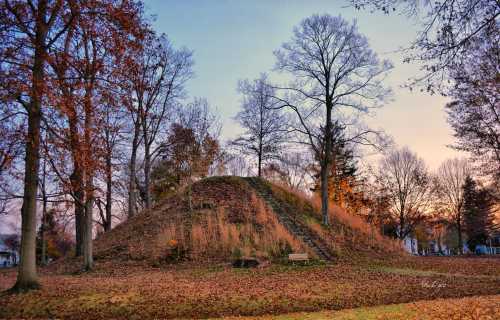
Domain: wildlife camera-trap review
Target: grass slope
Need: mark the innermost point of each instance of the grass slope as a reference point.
(221, 218)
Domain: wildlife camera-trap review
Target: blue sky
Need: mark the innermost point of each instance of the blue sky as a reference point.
(235, 39)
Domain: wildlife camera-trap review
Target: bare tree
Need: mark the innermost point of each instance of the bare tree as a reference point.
(333, 68)
(447, 30)
(293, 170)
(405, 178)
(265, 126)
(451, 178)
(112, 137)
(474, 113)
(236, 165)
(157, 83)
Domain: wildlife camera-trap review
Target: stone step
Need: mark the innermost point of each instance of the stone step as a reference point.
(290, 223)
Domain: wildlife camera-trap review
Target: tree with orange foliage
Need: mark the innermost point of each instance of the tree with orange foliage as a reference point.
(343, 175)
(190, 150)
(30, 30)
(57, 239)
(83, 69)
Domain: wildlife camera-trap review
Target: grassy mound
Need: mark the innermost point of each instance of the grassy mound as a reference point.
(222, 218)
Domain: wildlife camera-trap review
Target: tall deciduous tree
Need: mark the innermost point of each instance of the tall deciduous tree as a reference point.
(29, 31)
(91, 50)
(265, 127)
(474, 113)
(405, 178)
(333, 68)
(157, 81)
(451, 177)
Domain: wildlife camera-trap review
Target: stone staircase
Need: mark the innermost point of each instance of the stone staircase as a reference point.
(287, 216)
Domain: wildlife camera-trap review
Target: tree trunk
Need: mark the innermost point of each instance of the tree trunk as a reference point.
(109, 186)
(260, 144)
(76, 178)
(259, 170)
(43, 242)
(147, 173)
(459, 231)
(27, 277)
(88, 260)
(43, 255)
(79, 199)
(325, 165)
(440, 247)
(401, 227)
(324, 195)
(132, 200)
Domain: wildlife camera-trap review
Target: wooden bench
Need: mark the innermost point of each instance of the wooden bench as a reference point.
(298, 257)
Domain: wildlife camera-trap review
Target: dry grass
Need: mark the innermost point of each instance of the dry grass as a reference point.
(227, 220)
(212, 235)
(348, 232)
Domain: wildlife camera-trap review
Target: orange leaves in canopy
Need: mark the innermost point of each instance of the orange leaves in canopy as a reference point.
(188, 155)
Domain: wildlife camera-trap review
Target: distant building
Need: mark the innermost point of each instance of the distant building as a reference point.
(8, 256)
(439, 249)
(410, 244)
(495, 239)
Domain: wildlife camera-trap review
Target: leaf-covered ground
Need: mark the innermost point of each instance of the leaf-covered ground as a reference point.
(470, 308)
(134, 291)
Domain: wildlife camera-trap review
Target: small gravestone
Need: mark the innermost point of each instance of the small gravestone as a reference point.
(246, 262)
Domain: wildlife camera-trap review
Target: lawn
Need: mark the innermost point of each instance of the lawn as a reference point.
(135, 291)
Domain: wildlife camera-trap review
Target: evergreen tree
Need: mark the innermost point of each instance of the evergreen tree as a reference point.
(477, 213)
(343, 173)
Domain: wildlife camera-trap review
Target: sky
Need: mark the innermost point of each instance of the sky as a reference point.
(235, 39)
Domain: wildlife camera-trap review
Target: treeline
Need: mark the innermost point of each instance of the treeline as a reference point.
(91, 98)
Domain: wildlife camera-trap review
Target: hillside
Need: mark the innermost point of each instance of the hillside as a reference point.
(230, 217)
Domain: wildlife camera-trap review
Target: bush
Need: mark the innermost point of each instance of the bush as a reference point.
(175, 252)
(237, 253)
